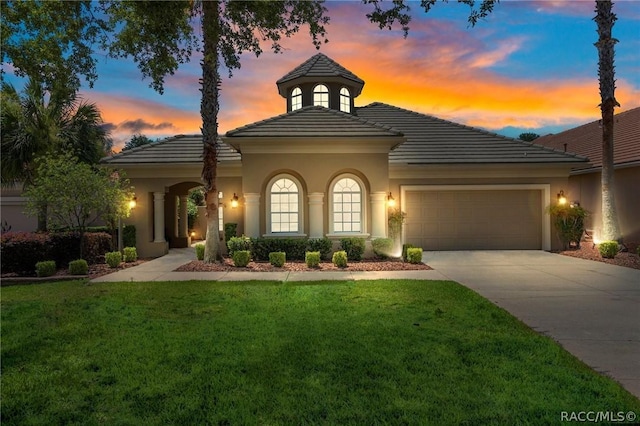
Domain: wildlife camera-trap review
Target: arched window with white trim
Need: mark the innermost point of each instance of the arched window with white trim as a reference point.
(347, 208)
(296, 99)
(345, 100)
(284, 214)
(321, 96)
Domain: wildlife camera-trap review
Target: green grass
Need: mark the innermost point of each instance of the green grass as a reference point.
(376, 352)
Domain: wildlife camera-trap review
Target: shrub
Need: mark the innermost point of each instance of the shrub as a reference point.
(312, 259)
(129, 236)
(64, 247)
(113, 258)
(21, 251)
(241, 258)
(383, 247)
(406, 247)
(200, 251)
(295, 248)
(78, 267)
(339, 259)
(608, 249)
(277, 258)
(414, 255)
(569, 223)
(323, 245)
(238, 244)
(95, 246)
(354, 247)
(130, 254)
(230, 230)
(46, 268)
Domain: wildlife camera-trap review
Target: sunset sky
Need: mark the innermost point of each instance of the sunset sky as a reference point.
(530, 66)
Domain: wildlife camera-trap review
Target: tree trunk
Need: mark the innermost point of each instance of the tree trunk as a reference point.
(605, 45)
(209, 111)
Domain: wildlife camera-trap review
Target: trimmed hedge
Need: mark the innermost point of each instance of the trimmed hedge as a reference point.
(46, 268)
(200, 251)
(608, 249)
(113, 259)
(312, 259)
(241, 258)
(78, 267)
(354, 247)
(323, 245)
(339, 259)
(277, 258)
(382, 247)
(230, 230)
(295, 248)
(129, 235)
(130, 254)
(406, 247)
(239, 244)
(414, 255)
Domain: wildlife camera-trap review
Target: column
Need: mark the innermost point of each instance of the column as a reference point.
(183, 230)
(252, 215)
(316, 221)
(158, 217)
(378, 214)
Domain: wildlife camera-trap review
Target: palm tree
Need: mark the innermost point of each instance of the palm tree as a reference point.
(37, 123)
(605, 19)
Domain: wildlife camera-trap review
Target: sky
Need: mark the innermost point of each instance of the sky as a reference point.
(531, 66)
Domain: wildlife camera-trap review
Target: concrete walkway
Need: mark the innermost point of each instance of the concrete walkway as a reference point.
(591, 308)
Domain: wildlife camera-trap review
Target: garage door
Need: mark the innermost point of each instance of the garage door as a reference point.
(474, 219)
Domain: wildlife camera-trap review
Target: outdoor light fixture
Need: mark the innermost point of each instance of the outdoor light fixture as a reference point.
(391, 202)
(234, 201)
(193, 234)
(133, 202)
(562, 200)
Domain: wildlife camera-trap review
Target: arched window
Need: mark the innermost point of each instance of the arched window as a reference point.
(296, 99)
(345, 100)
(284, 214)
(347, 208)
(321, 95)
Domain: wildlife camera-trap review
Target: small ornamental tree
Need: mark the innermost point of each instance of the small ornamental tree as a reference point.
(75, 193)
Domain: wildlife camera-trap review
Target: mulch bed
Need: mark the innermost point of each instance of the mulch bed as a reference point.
(589, 252)
(299, 266)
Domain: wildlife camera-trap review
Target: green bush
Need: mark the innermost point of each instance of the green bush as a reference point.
(569, 223)
(312, 259)
(339, 259)
(78, 267)
(354, 247)
(382, 247)
(277, 258)
(241, 258)
(406, 247)
(113, 258)
(129, 236)
(130, 254)
(323, 245)
(22, 250)
(295, 248)
(239, 244)
(608, 249)
(230, 230)
(95, 246)
(200, 251)
(46, 268)
(414, 255)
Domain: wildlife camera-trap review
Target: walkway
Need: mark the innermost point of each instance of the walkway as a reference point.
(591, 308)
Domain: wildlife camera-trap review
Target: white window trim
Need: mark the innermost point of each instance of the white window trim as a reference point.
(296, 96)
(363, 209)
(348, 98)
(327, 93)
(300, 232)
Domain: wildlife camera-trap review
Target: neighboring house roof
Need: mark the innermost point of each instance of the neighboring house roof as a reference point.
(180, 149)
(587, 140)
(316, 68)
(314, 122)
(431, 140)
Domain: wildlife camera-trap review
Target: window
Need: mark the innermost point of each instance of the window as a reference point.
(220, 212)
(321, 95)
(347, 206)
(345, 100)
(284, 206)
(296, 99)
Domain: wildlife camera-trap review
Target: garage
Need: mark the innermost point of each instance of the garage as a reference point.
(471, 217)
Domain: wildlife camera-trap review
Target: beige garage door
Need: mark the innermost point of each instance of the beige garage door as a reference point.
(474, 219)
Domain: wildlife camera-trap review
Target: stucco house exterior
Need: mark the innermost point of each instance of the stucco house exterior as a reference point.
(584, 179)
(326, 167)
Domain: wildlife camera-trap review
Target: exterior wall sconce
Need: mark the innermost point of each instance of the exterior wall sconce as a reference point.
(562, 200)
(391, 202)
(133, 203)
(234, 201)
(193, 234)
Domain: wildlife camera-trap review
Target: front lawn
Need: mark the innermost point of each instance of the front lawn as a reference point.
(366, 352)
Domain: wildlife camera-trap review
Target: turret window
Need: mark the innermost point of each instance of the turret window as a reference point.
(345, 100)
(321, 96)
(296, 99)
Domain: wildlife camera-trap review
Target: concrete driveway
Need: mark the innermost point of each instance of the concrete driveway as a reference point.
(591, 308)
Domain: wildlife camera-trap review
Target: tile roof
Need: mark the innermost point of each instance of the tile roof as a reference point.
(314, 121)
(431, 140)
(320, 65)
(180, 149)
(587, 139)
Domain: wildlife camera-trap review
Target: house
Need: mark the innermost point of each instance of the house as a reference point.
(584, 180)
(326, 167)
